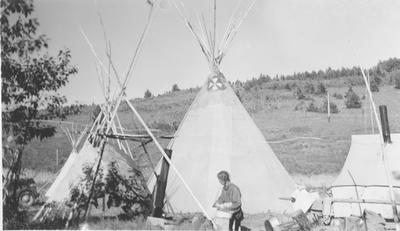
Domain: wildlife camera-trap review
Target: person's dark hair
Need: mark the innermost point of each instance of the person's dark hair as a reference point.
(223, 175)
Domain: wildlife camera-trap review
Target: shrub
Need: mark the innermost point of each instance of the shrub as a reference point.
(337, 95)
(397, 82)
(163, 126)
(147, 94)
(352, 99)
(312, 107)
(126, 191)
(309, 88)
(373, 84)
(301, 106)
(298, 93)
(175, 88)
(320, 89)
(333, 107)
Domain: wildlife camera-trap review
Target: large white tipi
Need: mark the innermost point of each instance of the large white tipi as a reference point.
(218, 134)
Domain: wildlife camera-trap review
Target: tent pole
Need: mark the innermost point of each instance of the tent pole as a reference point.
(358, 198)
(122, 131)
(370, 110)
(215, 27)
(148, 157)
(138, 48)
(161, 186)
(329, 108)
(170, 162)
(94, 179)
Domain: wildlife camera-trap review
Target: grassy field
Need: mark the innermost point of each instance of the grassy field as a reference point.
(312, 149)
(288, 131)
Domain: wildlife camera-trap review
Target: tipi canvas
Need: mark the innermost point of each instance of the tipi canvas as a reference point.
(218, 134)
(364, 164)
(72, 174)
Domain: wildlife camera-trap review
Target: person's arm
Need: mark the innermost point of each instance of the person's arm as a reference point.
(234, 200)
(219, 201)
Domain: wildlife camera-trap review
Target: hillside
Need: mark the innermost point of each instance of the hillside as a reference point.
(271, 104)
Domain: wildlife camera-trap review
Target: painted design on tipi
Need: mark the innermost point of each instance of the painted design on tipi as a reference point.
(216, 82)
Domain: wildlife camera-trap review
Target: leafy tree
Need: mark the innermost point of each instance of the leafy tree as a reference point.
(175, 88)
(397, 82)
(337, 95)
(127, 191)
(298, 93)
(352, 99)
(30, 79)
(320, 89)
(309, 88)
(147, 94)
(373, 84)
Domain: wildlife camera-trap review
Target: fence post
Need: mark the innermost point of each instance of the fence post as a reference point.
(329, 108)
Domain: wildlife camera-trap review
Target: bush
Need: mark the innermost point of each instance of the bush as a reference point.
(298, 93)
(337, 95)
(320, 89)
(301, 106)
(333, 107)
(309, 88)
(352, 99)
(397, 82)
(312, 107)
(147, 94)
(373, 84)
(175, 88)
(163, 126)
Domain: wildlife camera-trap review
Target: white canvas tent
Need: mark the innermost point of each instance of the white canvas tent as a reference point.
(364, 162)
(72, 172)
(218, 134)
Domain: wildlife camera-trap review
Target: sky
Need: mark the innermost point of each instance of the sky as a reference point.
(278, 37)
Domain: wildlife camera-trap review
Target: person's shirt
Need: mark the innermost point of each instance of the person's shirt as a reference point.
(230, 193)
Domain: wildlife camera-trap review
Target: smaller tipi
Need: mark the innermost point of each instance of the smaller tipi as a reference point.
(364, 164)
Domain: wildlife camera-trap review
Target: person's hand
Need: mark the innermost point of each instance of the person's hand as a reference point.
(226, 205)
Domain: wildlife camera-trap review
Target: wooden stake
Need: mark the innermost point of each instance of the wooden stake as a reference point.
(94, 179)
(329, 108)
(56, 157)
(358, 198)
